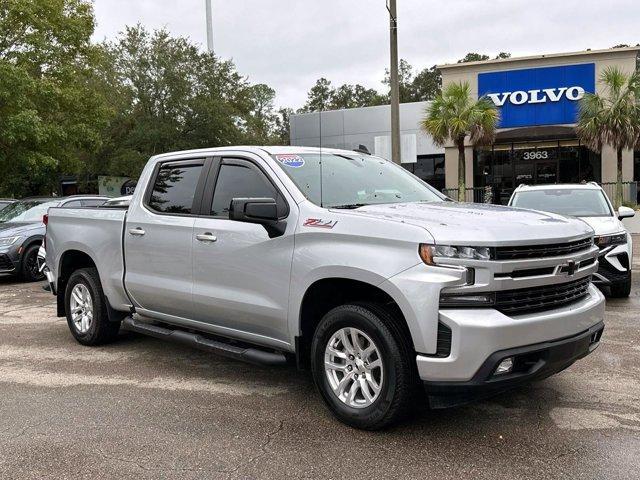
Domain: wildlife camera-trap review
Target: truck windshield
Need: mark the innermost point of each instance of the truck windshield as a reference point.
(354, 180)
(26, 211)
(578, 202)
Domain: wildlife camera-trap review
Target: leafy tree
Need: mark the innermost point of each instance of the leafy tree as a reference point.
(427, 84)
(319, 97)
(50, 115)
(453, 116)
(473, 57)
(171, 96)
(612, 117)
(323, 96)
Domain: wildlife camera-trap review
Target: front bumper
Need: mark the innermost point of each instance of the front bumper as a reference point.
(614, 266)
(532, 362)
(477, 334)
(10, 260)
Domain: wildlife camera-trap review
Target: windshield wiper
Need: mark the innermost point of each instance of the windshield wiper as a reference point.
(349, 206)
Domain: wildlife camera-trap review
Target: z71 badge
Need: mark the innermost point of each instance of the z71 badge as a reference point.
(319, 223)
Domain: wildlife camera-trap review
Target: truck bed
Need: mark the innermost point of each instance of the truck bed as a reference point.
(96, 232)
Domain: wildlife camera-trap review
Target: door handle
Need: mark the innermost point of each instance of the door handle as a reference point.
(136, 231)
(206, 237)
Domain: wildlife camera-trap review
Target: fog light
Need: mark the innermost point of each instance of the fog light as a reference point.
(505, 366)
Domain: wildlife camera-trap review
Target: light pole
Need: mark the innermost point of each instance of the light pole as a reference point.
(395, 88)
(209, 26)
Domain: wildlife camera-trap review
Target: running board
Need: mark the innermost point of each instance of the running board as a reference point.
(246, 354)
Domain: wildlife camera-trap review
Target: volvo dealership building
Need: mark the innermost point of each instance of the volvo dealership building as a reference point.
(536, 141)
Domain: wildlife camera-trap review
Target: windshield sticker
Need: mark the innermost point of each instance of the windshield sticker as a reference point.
(319, 223)
(293, 161)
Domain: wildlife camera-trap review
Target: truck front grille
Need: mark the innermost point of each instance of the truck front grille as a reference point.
(543, 251)
(536, 299)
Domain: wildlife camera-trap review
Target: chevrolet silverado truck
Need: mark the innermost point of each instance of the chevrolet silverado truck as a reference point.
(361, 272)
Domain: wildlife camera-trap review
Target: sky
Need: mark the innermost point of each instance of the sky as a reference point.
(289, 44)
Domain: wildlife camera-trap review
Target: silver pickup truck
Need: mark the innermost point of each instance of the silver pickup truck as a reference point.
(339, 260)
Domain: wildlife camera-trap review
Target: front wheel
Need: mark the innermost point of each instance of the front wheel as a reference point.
(30, 271)
(363, 366)
(86, 309)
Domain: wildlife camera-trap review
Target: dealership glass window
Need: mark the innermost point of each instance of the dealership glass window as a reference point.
(429, 168)
(504, 166)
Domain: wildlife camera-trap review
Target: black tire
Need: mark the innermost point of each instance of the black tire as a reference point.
(400, 373)
(29, 265)
(621, 289)
(100, 330)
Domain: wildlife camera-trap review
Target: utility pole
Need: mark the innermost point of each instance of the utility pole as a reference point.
(209, 26)
(395, 87)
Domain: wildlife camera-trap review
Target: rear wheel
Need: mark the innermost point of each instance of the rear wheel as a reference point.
(86, 309)
(30, 271)
(363, 366)
(621, 289)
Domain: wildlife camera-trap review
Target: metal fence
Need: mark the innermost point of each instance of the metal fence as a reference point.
(472, 195)
(487, 195)
(629, 191)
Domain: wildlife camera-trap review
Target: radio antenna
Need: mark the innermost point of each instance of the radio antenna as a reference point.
(320, 131)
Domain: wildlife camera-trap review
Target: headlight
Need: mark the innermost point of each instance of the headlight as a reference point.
(6, 241)
(429, 252)
(610, 240)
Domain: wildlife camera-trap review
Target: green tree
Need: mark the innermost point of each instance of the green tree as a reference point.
(474, 57)
(612, 117)
(171, 96)
(50, 114)
(453, 116)
(427, 84)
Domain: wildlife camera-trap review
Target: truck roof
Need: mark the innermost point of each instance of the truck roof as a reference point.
(269, 149)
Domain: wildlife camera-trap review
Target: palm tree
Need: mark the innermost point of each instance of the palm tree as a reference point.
(453, 115)
(612, 117)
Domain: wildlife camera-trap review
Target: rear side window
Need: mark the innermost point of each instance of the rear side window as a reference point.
(240, 180)
(174, 188)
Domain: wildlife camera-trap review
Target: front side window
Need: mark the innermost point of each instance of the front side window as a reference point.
(565, 201)
(349, 181)
(240, 180)
(26, 211)
(174, 188)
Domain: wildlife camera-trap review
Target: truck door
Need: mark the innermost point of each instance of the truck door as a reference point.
(158, 238)
(241, 275)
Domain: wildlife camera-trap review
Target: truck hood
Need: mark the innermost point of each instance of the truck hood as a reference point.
(477, 224)
(604, 225)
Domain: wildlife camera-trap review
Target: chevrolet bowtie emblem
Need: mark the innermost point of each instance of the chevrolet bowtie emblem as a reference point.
(571, 268)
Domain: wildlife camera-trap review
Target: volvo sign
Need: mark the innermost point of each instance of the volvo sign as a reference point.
(538, 96)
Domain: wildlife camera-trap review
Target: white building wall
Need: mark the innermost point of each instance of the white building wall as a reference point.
(351, 128)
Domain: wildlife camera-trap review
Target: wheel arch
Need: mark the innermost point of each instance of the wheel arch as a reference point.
(69, 262)
(327, 293)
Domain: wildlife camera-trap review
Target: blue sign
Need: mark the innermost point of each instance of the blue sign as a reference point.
(538, 96)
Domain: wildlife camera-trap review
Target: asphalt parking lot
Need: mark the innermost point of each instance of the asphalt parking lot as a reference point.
(141, 408)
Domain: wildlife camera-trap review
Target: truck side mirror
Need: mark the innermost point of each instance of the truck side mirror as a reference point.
(625, 212)
(262, 211)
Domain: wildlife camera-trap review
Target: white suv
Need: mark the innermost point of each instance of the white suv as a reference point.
(588, 202)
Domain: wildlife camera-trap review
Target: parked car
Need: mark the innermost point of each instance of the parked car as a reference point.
(5, 202)
(342, 260)
(589, 203)
(118, 202)
(22, 231)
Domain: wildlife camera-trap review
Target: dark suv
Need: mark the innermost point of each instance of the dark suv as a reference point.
(22, 231)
